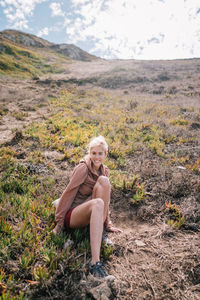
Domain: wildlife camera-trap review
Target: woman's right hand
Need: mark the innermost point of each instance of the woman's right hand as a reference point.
(57, 230)
(113, 229)
(54, 231)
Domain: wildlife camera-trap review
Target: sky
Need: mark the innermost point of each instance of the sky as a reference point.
(111, 29)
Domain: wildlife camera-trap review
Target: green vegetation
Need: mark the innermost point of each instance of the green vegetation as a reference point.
(27, 218)
(77, 118)
(18, 61)
(179, 121)
(177, 219)
(19, 115)
(29, 253)
(194, 167)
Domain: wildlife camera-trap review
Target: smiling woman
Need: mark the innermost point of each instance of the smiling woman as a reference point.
(97, 151)
(86, 201)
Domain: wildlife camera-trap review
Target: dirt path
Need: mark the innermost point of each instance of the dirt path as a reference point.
(155, 262)
(149, 262)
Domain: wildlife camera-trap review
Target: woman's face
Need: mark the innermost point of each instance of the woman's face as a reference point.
(97, 156)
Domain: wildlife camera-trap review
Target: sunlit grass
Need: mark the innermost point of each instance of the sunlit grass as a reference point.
(179, 121)
(18, 61)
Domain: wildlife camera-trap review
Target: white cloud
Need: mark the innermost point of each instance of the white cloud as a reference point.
(43, 32)
(56, 9)
(137, 29)
(2, 3)
(79, 2)
(17, 12)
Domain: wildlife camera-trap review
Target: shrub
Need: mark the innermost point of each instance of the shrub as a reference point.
(177, 219)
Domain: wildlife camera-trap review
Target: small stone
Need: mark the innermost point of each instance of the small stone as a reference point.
(101, 292)
(181, 168)
(140, 243)
(67, 244)
(110, 278)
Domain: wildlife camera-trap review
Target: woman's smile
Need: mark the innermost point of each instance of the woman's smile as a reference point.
(97, 156)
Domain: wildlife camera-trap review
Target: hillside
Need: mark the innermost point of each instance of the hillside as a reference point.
(24, 39)
(27, 55)
(149, 113)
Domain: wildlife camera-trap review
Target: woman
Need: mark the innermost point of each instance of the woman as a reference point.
(86, 200)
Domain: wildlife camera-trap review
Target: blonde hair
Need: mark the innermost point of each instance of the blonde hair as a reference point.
(98, 141)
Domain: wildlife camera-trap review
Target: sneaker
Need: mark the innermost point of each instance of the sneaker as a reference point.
(97, 270)
(106, 240)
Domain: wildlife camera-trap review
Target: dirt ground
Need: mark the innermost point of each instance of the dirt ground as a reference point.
(151, 260)
(156, 262)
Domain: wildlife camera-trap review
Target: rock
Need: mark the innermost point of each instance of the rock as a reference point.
(181, 168)
(140, 243)
(101, 292)
(67, 244)
(95, 280)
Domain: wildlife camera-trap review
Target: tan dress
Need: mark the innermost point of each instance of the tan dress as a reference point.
(79, 189)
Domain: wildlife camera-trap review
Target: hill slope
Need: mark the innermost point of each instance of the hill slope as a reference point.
(29, 40)
(21, 61)
(24, 39)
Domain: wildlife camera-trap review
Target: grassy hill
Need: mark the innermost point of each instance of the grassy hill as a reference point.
(153, 134)
(19, 61)
(27, 55)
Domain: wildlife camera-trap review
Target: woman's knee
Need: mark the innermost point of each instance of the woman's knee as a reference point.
(98, 203)
(104, 181)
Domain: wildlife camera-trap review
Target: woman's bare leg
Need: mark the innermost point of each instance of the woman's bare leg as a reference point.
(94, 213)
(91, 212)
(102, 190)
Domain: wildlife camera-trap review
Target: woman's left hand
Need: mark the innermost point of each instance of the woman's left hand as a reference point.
(114, 229)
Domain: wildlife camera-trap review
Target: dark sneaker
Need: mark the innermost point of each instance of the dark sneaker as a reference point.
(97, 270)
